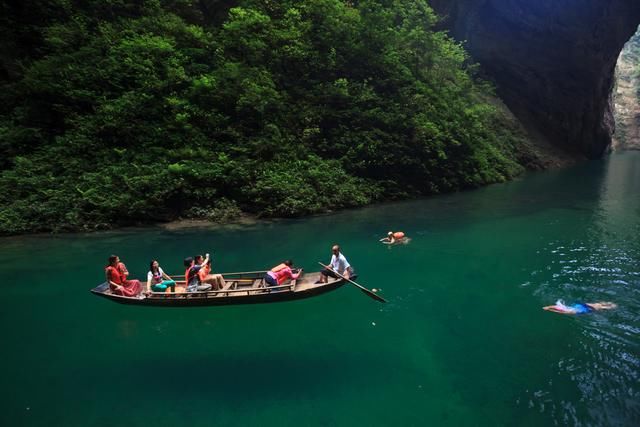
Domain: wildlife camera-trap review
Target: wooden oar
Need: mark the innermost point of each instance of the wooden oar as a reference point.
(362, 288)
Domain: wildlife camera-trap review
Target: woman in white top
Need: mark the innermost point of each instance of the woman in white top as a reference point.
(158, 280)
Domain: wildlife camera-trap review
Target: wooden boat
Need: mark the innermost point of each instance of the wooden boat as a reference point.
(240, 288)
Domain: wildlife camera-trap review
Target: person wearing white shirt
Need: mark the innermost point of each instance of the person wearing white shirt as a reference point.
(158, 280)
(338, 264)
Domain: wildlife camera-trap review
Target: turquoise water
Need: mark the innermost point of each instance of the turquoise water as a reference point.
(462, 341)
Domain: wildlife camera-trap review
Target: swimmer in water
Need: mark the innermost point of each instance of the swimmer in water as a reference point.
(395, 238)
(579, 308)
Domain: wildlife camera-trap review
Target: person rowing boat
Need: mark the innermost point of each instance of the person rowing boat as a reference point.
(338, 264)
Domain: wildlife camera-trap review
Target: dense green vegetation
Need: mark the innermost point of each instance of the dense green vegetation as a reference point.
(118, 112)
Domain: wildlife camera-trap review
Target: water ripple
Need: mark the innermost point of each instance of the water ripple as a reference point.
(607, 371)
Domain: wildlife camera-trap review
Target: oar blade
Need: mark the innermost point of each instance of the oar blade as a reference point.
(373, 295)
(362, 288)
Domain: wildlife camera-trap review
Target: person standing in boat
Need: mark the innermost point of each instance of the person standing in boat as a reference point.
(191, 276)
(117, 280)
(280, 273)
(215, 280)
(158, 280)
(338, 264)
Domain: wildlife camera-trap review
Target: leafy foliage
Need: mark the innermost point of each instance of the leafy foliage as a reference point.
(129, 112)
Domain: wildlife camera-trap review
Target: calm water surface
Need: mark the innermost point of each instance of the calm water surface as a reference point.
(462, 341)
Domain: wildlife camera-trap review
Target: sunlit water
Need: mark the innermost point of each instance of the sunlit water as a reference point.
(462, 341)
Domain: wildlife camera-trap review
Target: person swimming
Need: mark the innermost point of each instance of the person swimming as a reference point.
(579, 308)
(394, 238)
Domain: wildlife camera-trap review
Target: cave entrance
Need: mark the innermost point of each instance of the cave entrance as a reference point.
(626, 97)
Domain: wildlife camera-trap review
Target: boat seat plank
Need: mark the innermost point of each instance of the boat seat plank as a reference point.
(244, 284)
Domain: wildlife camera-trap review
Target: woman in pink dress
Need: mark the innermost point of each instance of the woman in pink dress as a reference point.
(117, 279)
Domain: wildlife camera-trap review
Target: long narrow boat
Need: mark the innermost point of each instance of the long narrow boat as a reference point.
(240, 288)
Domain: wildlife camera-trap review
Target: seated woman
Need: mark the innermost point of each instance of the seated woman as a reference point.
(191, 276)
(117, 280)
(158, 280)
(394, 238)
(215, 280)
(280, 273)
(579, 308)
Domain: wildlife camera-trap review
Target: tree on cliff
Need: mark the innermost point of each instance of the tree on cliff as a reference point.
(123, 112)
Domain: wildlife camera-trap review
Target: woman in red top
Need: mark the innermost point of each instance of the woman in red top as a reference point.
(215, 280)
(117, 279)
(279, 274)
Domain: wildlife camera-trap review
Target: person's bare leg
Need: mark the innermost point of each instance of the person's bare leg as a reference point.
(220, 280)
(212, 280)
(602, 305)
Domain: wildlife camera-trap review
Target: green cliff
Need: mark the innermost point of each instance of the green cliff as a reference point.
(115, 113)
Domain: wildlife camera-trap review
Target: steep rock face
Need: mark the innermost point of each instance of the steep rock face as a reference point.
(553, 61)
(626, 97)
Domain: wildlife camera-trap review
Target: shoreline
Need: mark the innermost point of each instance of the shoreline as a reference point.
(245, 219)
(179, 224)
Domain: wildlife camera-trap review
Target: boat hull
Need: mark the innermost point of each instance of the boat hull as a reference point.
(248, 296)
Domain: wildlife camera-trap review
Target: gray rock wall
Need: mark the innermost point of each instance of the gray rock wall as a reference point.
(553, 61)
(626, 97)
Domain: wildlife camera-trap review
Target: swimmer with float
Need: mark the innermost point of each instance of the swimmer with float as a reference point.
(395, 238)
